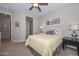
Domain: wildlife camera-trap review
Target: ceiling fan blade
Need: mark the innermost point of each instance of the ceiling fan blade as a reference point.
(39, 9)
(31, 8)
(43, 4)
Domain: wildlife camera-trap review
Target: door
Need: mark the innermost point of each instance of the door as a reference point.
(29, 24)
(5, 26)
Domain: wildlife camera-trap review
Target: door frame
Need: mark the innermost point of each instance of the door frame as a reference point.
(10, 24)
(28, 20)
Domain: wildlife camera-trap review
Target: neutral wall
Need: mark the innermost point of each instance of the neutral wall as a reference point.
(16, 30)
(20, 32)
(36, 25)
(68, 15)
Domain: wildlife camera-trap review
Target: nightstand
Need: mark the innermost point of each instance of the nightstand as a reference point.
(70, 41)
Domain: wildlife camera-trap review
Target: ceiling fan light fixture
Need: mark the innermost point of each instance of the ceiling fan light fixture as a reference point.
(35, 4)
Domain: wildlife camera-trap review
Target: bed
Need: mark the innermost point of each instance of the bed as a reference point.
(44, 44)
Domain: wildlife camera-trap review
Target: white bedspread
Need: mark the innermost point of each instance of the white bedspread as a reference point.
(44, 44)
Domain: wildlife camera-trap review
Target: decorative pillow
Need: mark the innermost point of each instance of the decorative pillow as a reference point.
(51, 32)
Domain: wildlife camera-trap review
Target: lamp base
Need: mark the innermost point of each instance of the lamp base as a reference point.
(74, 35)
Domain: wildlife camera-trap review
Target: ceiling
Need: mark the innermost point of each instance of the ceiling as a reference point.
(25, 7)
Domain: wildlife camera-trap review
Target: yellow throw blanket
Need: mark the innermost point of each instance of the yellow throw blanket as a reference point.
(44, 44)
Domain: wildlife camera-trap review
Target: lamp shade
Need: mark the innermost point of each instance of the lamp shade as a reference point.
(41, 27)
(74, 27)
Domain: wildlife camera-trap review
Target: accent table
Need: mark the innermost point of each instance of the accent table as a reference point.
(70, 41)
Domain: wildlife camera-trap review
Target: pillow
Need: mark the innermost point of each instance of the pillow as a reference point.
(51, 32)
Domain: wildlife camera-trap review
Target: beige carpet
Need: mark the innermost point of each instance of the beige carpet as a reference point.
(18, 49)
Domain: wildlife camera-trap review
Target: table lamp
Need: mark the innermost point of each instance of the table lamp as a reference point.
(74, 28)
(41, 28)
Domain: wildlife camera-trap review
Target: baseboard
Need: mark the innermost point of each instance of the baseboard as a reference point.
(18, 40)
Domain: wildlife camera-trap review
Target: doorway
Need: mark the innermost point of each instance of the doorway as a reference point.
(5, 27)
(29, 24)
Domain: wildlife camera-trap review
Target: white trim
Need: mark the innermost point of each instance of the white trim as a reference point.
(18, 40)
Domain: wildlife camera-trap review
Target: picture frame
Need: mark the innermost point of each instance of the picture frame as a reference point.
(16, 24)
(56, 21)
(47, 22)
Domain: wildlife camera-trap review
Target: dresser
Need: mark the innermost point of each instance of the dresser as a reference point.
(70, 41)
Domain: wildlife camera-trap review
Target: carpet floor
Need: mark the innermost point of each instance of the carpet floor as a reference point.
(18, 49)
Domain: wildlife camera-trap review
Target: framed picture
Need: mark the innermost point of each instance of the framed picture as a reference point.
(16, 24)
(47, 22)
(56, 21)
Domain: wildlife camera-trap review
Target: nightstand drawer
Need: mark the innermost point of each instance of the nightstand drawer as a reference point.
(70, 42)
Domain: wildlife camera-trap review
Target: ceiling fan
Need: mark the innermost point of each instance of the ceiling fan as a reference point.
(36, 6)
